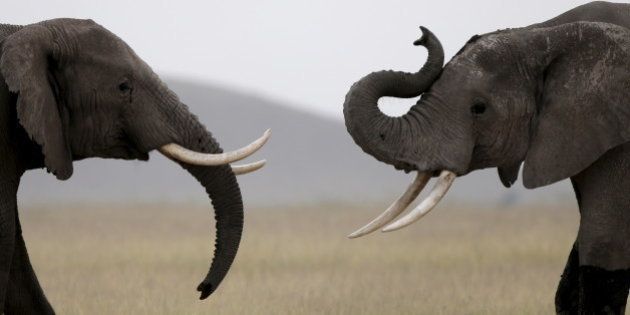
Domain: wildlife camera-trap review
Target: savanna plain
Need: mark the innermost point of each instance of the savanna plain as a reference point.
(148, 259)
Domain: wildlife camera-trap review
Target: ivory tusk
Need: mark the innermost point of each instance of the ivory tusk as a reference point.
(439, 190)
(182, 154)
(397, 207)
(248, 168)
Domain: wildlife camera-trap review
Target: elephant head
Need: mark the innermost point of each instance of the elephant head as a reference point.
(82, 92)
(551, 97)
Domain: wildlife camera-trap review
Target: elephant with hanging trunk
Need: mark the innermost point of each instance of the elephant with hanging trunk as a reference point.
(70, 90)
(554, 96)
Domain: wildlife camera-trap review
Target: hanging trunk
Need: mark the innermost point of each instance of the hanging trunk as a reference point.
(222, 188)
(170, 121)
(8, 205)
(376, 133)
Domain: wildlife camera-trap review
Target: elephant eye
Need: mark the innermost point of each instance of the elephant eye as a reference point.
(478, 108)
(124, 87)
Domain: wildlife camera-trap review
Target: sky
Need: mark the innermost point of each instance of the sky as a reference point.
(305, 54)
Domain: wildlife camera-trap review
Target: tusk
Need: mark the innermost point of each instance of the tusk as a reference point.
(438, 191)
(397, 207)
(182, 154)
(248, 168)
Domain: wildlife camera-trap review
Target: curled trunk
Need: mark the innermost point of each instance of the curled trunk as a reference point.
(380, 135)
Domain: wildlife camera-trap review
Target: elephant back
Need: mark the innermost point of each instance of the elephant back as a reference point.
(8, 29)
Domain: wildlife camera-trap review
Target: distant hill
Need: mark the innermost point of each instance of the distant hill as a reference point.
(310, 160)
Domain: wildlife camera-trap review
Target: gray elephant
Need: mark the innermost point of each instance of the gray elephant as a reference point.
(554, 96)
(72, 90)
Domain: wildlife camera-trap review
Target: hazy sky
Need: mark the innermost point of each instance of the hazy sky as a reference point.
(304, 53)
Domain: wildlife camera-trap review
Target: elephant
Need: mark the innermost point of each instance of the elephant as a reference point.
(71, 90)
(553, 96)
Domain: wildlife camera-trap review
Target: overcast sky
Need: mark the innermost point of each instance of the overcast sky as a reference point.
(303, 53)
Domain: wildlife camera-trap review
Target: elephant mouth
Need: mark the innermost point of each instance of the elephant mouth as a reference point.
(124, 148)
(129, 152)
(409, 167)
(121, 152)
(405, 167)
(118, 145)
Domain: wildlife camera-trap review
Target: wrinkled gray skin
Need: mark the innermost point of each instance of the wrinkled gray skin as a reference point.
(554, 96)
(71, 90)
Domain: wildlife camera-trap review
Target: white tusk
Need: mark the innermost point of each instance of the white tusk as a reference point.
(182, 154)
(397, 207)
(439, 190)
(248, 168)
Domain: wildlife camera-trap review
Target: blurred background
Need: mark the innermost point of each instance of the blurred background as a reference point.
(242, 67)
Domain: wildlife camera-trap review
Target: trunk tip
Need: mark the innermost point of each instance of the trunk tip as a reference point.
(206, 288)
(422, 41)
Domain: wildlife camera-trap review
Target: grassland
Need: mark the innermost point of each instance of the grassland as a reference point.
(148, 259)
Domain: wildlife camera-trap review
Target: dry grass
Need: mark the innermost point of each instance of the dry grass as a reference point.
(149, 259)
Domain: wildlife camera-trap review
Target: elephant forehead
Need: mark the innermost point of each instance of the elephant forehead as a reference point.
(100, 40)
(76, 33)
(110, 53)
(461, 75)
(484, 52)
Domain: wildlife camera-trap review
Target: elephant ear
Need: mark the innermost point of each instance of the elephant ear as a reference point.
(25, 64)
(584, 108)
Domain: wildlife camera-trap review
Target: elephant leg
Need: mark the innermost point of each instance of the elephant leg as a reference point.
(603, 291)
(568, 289)
(8, 207)
(24, 294)
(602, 243)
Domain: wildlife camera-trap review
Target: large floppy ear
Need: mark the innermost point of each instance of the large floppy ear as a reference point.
(25, 65)
(584, 105)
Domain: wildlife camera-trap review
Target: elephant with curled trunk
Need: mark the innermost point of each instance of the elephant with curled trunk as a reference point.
(554, 96)
(71, 90)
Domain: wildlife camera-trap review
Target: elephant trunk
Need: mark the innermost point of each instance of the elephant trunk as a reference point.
(222, 188)
(380, 135)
